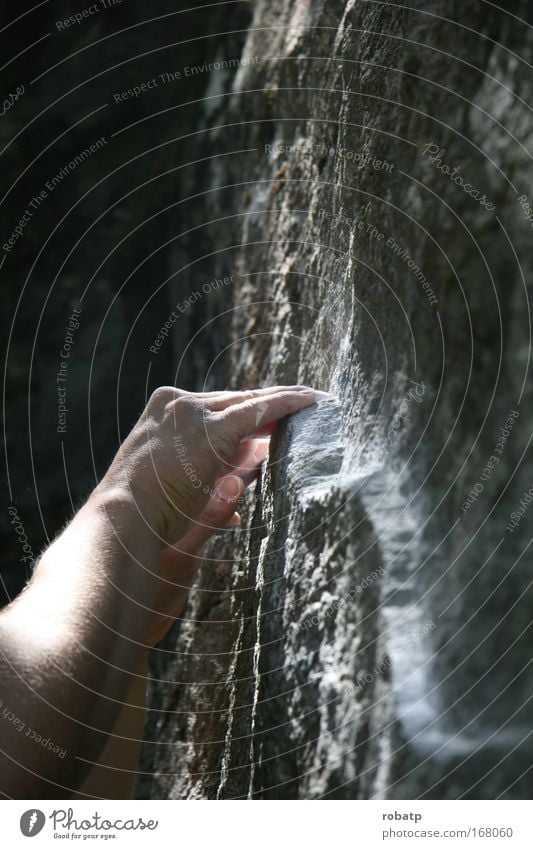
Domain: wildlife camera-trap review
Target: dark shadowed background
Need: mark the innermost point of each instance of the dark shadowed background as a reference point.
(121, 234)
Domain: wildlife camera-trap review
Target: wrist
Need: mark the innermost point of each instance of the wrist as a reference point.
(123, 531)
(122, 503)
(119, 507)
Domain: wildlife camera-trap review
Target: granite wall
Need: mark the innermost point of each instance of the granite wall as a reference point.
(367, 632)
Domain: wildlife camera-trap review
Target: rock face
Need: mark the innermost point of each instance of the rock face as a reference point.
(367, 632)
(337, 193)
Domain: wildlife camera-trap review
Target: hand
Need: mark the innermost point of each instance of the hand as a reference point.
(179, 563)
(186, 441)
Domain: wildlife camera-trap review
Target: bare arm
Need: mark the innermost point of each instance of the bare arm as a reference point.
(114, 774)
(67, 645)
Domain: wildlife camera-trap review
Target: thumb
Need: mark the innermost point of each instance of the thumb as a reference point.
(218, 512)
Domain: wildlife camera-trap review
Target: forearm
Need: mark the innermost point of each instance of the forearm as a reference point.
(69, 643)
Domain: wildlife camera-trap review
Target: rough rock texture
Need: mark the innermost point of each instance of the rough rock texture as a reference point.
(367, 634)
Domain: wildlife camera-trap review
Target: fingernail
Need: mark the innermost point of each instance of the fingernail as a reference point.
(260, 451)
(317, 395)
(230, 487)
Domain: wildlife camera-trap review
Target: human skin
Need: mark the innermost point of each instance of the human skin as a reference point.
(114, 774)
(73, 644)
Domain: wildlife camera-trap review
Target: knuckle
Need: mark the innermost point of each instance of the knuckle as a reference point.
(225, 435)
(246, 407)
(210, 515)
(188, 410)
(288, 401)
(162, 396)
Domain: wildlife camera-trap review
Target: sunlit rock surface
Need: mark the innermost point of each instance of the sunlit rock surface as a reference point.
(367, 632)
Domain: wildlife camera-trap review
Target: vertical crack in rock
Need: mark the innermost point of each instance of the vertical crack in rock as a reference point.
(256, 662)
(237, 763)
(231, 712)
(311, 684)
